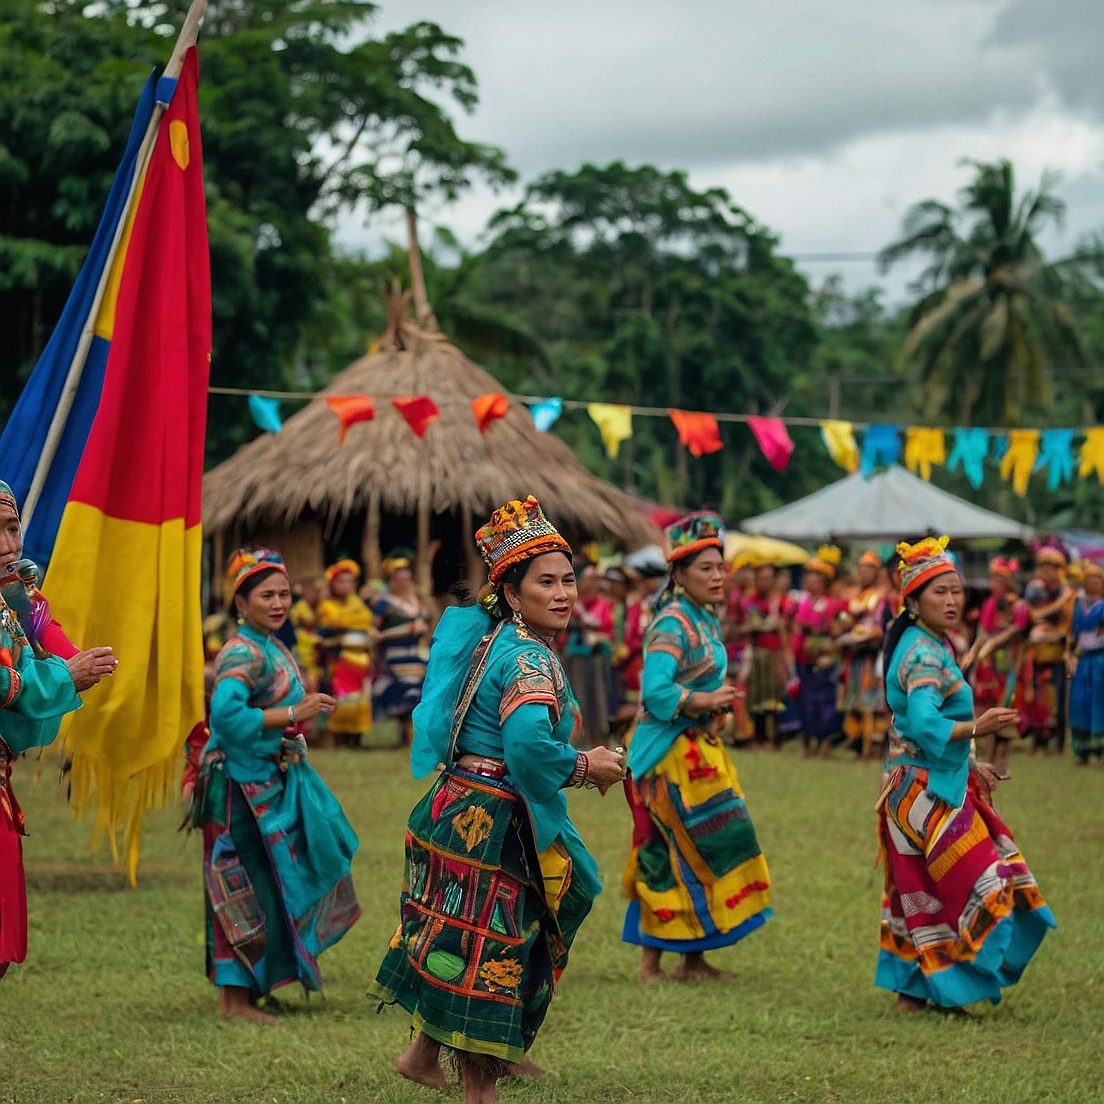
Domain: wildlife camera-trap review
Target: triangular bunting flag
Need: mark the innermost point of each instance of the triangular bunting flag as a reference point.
(350, 409)
(488, 408)
(420, 412)
(698, 432)
(924, 447)
(839, 440)
(774, 440)
(266, 413)
(614, 423)
(1019, 461)
(546, 414)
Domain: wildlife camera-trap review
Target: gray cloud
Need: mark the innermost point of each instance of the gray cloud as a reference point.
(1064, 40)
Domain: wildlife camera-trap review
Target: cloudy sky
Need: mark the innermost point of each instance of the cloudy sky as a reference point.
(825, 121)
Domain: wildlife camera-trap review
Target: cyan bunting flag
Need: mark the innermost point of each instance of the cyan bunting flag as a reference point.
(881, 445)
(971, 446)
(546, 414)
(265, 412)
(1056, 455)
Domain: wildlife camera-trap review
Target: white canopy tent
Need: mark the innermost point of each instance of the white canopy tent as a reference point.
(891, 505)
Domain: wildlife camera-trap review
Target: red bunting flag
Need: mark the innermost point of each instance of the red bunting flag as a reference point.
(350, 409)
(488, 408)
(698, 432)
(773, 439)
(420, 412)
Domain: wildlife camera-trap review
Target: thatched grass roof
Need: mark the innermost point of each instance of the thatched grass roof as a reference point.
(276, 478)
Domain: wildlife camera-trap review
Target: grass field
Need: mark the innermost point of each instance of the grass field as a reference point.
(112, 1003)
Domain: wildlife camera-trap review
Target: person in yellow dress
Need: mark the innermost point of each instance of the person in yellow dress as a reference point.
(345, 627)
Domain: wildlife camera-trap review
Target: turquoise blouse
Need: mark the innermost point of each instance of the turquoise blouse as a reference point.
(253, 673)
(928, 694)
(523, 712)
(45, 692)
(684, 653)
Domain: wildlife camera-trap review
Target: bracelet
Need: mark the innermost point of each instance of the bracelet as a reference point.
(581, 772)
(291, 714)
(973, 731)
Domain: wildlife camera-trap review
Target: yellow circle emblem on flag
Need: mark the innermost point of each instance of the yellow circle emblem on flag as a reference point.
(178, 143)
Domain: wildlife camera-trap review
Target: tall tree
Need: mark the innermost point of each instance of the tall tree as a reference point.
(990, 323)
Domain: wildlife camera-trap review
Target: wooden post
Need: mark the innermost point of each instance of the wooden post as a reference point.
(189, 32)
(476, 571)
(370, 551)
(423, 312)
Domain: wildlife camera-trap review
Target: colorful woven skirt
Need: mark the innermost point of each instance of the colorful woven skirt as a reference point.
(696, 878)
(961, 912)
(486, 924)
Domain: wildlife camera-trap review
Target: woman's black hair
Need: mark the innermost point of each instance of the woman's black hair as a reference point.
(251, 582)
(904, 621)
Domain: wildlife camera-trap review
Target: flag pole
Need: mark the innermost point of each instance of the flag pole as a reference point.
(189, 33)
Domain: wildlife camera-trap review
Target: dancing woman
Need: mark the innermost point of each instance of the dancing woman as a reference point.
(497, 880)
(277, 849)
(696, 879)
(962, 914)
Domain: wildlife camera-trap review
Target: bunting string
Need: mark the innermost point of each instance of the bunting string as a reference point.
(1019, 452)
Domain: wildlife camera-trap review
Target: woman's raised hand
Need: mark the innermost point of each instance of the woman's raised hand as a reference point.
(720, 699)
(312, 705)
(993, 720)
(606, 767)
(91, 665)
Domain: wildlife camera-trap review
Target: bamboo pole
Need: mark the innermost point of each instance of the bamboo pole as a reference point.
(370, 551)
(189, 33)
(423, 312)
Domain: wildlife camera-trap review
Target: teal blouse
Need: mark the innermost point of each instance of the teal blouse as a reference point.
(928, 694)
(684, 653)
(523, 712)
(44, 692)
(253, 673)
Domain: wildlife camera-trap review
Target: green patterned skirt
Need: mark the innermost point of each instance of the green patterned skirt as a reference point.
(486, 922)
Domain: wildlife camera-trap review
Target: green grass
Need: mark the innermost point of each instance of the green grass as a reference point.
(112, 1003)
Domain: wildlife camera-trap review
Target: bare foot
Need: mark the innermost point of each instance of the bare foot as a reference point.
(649, 975)
(419, 1063)
(234, 1004)
(695, 968)
(479, 1086)
(905, 1003)
(526, 1068)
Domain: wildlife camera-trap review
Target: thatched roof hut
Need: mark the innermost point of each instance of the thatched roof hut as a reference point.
(304, 493)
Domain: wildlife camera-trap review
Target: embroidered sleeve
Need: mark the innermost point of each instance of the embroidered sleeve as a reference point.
(531, 677)
(927, 663)
(242, 660)
(666, 635)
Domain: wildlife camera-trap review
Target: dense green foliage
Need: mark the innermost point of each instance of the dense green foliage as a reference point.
(611, 282)
(113, 1005)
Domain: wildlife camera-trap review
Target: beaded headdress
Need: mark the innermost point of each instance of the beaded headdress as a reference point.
(694, 533)
(246, 562)
(922, 562)
(340, 568)
(7, 498)
(825, 562)
(516, 532)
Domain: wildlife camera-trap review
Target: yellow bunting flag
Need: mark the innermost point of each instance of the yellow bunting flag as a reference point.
(924, 446)
(839, 439)
(1019, 460)
(614, 423)
(1092, 454)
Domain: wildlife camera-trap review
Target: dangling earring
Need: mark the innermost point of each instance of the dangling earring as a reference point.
(517, 619)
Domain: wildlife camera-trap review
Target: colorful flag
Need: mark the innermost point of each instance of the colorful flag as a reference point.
(125, 568)
(971, 446)
(698, 432)
(1091, 456)
(419, 412)
(839, 440)
(265, 413)
(881, 444)
(350, 409)
(1056, 455)
(614, 422)
(1018, 461)
(774, 440)
(546, 414)
(925, 447)
(489, 408)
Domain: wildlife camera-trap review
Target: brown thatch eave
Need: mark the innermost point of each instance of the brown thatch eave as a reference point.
(277, 478)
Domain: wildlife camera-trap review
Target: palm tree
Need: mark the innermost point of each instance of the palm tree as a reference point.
(990, 323)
